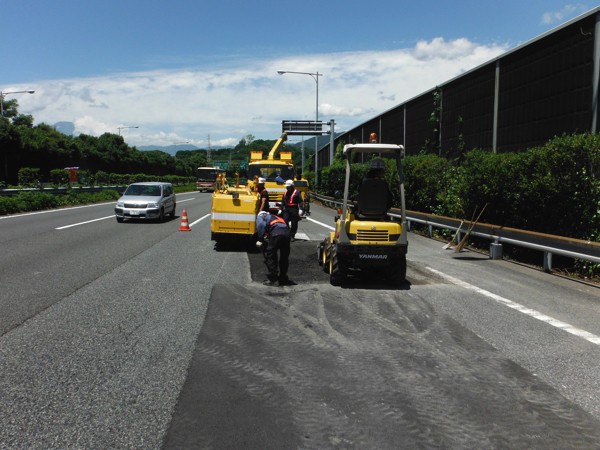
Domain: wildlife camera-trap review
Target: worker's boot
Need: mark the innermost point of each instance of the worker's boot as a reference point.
(271, 281)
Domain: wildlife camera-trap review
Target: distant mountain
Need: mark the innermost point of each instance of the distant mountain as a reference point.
(170, 149)
(65, 127)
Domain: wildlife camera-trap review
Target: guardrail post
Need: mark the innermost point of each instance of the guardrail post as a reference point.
(458, 238)
(495, 251)
(430, 231)
(408, 225)
(547, 262)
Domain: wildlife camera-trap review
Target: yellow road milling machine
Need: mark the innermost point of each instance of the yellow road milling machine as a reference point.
(366, 240)
(275, 172)
(234, 211)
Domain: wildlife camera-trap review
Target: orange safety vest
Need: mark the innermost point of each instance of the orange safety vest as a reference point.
(277, 219)
(292, 199)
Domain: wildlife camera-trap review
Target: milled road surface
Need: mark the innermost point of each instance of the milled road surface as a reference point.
(313, 366)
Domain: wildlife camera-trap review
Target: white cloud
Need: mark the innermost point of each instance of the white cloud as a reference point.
(228, 104)
(567, 12)
(342, 111)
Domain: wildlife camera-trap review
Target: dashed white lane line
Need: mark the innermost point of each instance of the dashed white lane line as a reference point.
(87, 221)
(530, 312)
(201, 218)
(320, 223)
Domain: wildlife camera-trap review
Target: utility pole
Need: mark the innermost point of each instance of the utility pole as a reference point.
(208, 152)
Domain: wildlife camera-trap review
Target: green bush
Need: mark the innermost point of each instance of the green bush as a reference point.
(60, 177)
(35, 201)
(29, 178)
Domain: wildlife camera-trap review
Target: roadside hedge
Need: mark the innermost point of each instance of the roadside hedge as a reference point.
(554, 188)
(36, 201)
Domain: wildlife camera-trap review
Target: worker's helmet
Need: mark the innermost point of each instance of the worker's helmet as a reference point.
(261, 181)
(373, 138)
(261, 213)
(289, 183)
(377, 163)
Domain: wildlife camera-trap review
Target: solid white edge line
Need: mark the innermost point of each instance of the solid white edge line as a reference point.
(186, 200)
(77, 207)
(201, 218)
(322, 224)
(56, 210)
(82, 223)
(530, 312)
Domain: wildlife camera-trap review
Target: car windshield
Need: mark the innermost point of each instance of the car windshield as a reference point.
(143, 190)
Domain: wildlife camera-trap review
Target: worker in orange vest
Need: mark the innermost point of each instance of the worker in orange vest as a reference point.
(292, 207)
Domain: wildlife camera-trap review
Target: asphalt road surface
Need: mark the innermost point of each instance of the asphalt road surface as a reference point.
(137, 335)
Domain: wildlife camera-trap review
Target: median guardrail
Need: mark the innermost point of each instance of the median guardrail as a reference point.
(546, 243)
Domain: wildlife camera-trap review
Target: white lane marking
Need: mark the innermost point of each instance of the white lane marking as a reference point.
(186, 200)
(322, 224)
(57, 210)
(530, 312)
(88, 221)
(201, 218)
(78, 207)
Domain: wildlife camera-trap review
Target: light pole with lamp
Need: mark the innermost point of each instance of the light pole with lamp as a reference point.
(2, 94)
(316, 78)
(175, 143)
(122, 128)
(175, 155)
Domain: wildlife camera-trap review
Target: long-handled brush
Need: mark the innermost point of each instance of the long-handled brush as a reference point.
(463, 241)
(449, 244)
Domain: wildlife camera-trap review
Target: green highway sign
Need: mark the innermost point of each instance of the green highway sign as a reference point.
(221, 164)
(244, 165)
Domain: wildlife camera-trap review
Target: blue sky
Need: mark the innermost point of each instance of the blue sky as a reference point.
(183, 69)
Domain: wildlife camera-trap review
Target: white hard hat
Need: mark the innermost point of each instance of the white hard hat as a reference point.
(261, 181)
(289, 183)
(261, 213)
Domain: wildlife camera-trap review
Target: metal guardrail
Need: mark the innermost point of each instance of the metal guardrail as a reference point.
(63, 190)
(546, 243)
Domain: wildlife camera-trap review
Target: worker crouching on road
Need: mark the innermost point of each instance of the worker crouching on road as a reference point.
(279, 240)
(292, 207)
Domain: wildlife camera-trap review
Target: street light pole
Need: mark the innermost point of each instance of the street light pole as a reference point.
(121, 128)
(316, 78)
(182, 142)
(2, 94)
(175, 155)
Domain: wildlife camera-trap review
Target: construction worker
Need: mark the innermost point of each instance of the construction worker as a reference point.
(264, 195)
(278, 233)
(292, 207)
(376, 171)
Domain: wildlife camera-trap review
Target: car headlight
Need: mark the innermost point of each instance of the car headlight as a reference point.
(153, 205)
(119, 204)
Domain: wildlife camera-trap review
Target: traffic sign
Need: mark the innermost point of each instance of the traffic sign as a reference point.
(244, 165)
(221, 164)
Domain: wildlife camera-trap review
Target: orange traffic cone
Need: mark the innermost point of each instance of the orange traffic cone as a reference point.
(184, 222)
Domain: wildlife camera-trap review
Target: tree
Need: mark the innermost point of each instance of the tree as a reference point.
(10, 145)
